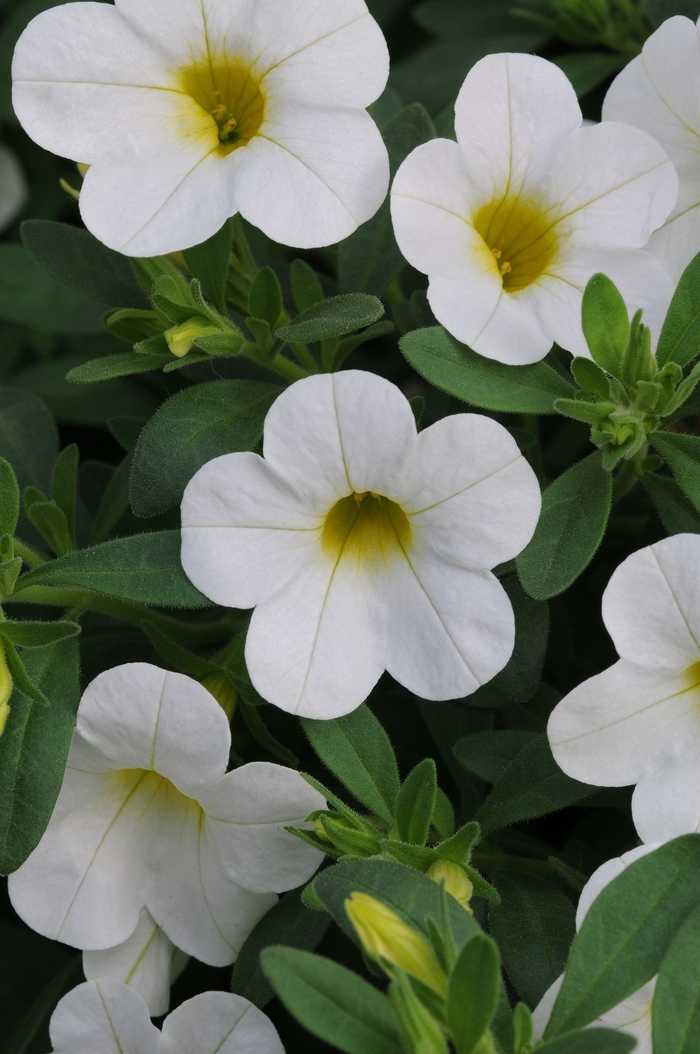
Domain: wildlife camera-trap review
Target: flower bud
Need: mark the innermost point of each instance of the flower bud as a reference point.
(385, 936)
(5, 690)
(181, 338)
(454, 879)
(218, 685)
(420, 1030)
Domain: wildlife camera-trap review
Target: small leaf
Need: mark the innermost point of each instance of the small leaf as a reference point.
(124, 365)
(605, 322)
(64, 485)
(680, 335)
(262, 735)
(38, 634)
(488, 754)
(575, 511)
(459, 371)
(591, 377)
(209, 262)
(473, 992)
(675, 511)
(416, 802)
(114, 503)
(306, 288)
(265, 301)
(9, 499)
(683, 455)
(333, 318)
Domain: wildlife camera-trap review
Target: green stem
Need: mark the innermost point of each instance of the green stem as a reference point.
(29, 556)
(287, 368)
(627, 477)
(305, 357)
(176, 629)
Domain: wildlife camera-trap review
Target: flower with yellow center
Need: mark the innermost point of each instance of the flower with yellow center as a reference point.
(512, 220)
(189, 111)
(639, 721)
(362, 545)
(148, 818)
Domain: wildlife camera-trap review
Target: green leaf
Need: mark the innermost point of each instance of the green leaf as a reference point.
(459, 371)
(683, 455)
(680, 334)
(191, 428)
(306, 287)
(114, 503)
(675, 511)
(587, 69)
(64, 485)
(209, 262)
(33, 751)
(472, 996)
(627, 932)
(28, 438)
(469, 18)
(592, 1041)
(142, 568)
(51, 523)
(333, 318)
(123, 365)
(520, 678)
(416, 802)
(533, 925)
(590, 376)
(262, 735)
(76, 259)
(531, 785)
(38, 634)
(369, 260)
(332, 1002)
(9, 498)
(30, 297)
(676, 1015)
(657, 11)
(290, 924)
(265, 300)
(175, 655)
(605, 323)
(488, 754)
(21, 680)
(575, 511)
(358, 751)
(43, 1007)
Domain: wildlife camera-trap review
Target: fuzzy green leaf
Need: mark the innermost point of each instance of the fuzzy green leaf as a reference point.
(333, 318)
(680, 335)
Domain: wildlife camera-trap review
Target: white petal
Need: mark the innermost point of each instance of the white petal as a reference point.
(666, 802)
(13, 186)
(633, 1016)
(142, 717)
(219, 1023)
(511, 118)
(604, 875)
(144, 962)
(543, 1011)
(677, 242)
(103, 1016)
(312, 648)
(352, 431)
(247, 810)
(651, 606)
(446, 630)
(621, 724)
(312, 175)
(245, 532)
(471, 497)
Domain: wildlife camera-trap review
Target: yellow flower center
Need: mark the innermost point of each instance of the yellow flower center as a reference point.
(521, 237)
(366, 527)
(232, 98)
(148, 789)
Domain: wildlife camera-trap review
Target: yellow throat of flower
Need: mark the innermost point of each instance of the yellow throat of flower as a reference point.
(366, 527)
(232, 98)
(520, 238)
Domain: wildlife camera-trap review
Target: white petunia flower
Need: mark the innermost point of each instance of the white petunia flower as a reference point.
(106, 1017)
(13, 186)
(189, 111)
(148, 818)
(512, 220)
(659, 92)
(362, 545)
(637, 722)
(632, 1015)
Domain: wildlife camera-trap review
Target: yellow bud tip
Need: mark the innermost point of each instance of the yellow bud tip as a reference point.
(455, 881)
(82, 168)
(385, 936)
(5, 690)
(181, 338)
(71, 191)
(218, 685)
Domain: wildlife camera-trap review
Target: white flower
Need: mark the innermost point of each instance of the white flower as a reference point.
(637, 722)
(13, 186)
(659, 91)
(362, 545)
(106, 1017)
(146, 818)
(189, 111)
(632, 1015)
(512, 220)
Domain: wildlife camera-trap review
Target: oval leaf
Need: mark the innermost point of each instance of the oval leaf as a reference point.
(333, 318)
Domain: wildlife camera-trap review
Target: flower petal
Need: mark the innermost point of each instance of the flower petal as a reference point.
(651, 606)
(245, 532)
(312, 175)
(104, 1016)
(219, 1023)
(446, 630)
(471, 496)
(247, 810)
(142, 717)
(333, 454)
(603, 875)
(144, 962)
(621, 724)
(666, 802)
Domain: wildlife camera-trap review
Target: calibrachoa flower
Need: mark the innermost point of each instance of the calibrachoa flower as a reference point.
(189, 111)
(637, 722)
(632, 1015)
(147, 818)
(658, 92)
(13, 186)
(362, 545)
(106, 1017)
(512, 220)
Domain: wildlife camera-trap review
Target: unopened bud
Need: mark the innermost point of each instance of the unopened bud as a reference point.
(5, 690)
(420, 1030)
(455, 881)
(385, 936)
(218, 685)
(181, 338)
